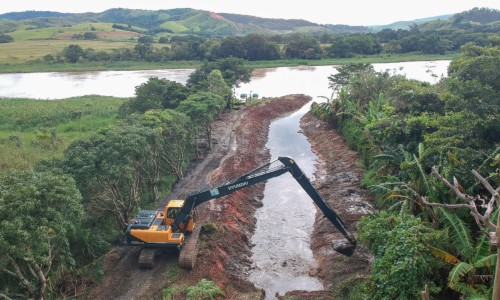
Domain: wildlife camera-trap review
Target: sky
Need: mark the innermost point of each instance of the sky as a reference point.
(349, 12)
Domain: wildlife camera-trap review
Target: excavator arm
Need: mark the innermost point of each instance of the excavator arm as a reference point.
(261, 174)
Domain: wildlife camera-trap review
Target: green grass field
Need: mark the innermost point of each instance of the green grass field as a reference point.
(31, 43)
(32, 130)
(20, 52)
(28, 32)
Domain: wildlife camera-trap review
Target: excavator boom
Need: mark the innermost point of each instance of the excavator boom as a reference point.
(261, 174)
(175, 226)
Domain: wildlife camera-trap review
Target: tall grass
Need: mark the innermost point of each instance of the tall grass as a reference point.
(11, 65)
(32, 130)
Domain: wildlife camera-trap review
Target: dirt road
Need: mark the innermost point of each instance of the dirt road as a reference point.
(224, 256)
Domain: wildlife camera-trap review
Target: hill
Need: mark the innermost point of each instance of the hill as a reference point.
(204, 23)
(172, 21)
(407, 24)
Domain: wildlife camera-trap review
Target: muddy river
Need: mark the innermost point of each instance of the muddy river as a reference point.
(282, 256)
(270, 82)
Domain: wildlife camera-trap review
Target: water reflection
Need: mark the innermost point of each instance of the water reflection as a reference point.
(59, 85)
(270, 82)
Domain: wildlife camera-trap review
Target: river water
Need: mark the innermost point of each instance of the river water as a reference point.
(282, 256)
(266, 82)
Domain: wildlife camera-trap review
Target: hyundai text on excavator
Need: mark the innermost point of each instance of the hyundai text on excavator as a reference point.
(175, 227)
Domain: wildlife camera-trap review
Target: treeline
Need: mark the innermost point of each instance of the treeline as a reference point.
(252, 47)
(432, 159)
(58, 219)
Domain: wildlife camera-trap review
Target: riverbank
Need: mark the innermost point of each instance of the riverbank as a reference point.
(33, 67)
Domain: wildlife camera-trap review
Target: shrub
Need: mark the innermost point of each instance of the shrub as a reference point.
(4, 38)
(403, 262)
(205, 289)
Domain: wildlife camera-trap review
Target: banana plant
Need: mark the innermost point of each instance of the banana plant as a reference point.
(474, 262)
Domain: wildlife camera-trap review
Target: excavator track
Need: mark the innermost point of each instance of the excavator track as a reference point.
(147, 258)
(189, 252)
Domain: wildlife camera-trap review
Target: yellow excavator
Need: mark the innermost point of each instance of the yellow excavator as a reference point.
(175, 226)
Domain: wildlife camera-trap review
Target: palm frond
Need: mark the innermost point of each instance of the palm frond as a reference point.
(421, 150)
(477, 297)
(486, 262)
(460, 233)
(424, 176)
(482, 248)
(443, 255)
(459, 271)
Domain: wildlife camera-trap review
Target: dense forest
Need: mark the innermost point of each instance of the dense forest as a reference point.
(432, 159)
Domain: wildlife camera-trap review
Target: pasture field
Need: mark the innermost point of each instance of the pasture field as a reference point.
(102, 30)
(32, 130)
(20, 52)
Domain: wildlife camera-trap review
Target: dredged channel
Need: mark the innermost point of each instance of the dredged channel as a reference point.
(282, 258)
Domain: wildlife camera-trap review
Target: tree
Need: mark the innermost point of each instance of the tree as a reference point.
(231, 46)
(156, 93)
(217, 85)
(481, 208)
(433, 44)
(38, 214)
(145, 39)
(233, 71)
(258, 48)
(363, 44)
(73, 53)
(203, 108)
(340, 49)
(90, 36)
(116, 170)
(473, 81)
(410, 43)
(303, 47)
(254, 45)
(5, 38)
(143, 50)
(177, 137)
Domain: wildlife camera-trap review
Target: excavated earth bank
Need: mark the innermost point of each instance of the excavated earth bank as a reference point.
(224, 256)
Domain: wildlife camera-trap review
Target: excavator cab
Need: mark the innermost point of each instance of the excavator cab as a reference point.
(173, 209)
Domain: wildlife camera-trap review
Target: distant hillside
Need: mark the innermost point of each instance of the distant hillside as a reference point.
(32, 14)
(270, 24)
(50, 25)
(176, 21)
(407, 24)
(476, 17)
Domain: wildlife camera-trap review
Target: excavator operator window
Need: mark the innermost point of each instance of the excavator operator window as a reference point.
(172, 213)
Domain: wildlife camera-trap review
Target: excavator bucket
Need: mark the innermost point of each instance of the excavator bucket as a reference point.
(344, 247)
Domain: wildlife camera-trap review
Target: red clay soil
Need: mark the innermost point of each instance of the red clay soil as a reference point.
(224, 256)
